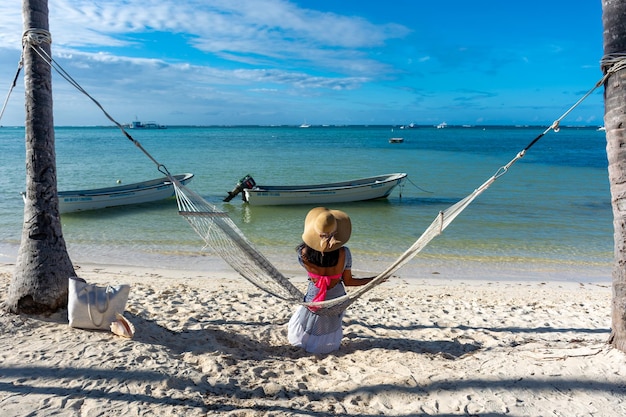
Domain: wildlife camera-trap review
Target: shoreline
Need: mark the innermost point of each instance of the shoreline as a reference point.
(423, 266)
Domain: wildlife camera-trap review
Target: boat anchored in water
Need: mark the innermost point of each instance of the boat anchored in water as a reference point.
(135, 193)
(361, 189)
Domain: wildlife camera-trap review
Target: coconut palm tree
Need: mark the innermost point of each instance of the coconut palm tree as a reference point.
(43, 265)
(614, 22)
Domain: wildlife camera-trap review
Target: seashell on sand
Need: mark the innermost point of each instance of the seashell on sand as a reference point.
(122, 327)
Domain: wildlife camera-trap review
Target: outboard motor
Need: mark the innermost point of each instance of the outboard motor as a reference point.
(245, 182)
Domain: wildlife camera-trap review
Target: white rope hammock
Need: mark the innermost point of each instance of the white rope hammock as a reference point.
(220, 233)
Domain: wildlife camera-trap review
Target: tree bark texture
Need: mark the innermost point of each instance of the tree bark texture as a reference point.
(40, 282)
(614, 22)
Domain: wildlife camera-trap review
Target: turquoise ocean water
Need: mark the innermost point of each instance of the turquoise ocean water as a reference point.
(551, 208)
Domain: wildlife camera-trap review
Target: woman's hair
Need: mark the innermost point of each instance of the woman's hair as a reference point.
(323, 259)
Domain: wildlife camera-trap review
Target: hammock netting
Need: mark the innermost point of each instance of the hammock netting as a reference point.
(222, 235)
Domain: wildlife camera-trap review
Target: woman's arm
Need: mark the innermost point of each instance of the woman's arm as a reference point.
(350, 281)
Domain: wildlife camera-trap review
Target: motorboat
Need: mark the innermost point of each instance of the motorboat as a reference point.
(361, 189)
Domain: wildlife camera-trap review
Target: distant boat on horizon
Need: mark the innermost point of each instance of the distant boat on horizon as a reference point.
(136, 124)
(442, 125)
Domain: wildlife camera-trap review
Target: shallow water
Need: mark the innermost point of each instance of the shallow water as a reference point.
(553, 206)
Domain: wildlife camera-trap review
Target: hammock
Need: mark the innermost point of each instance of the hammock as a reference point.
(221, 234)
(224, 237)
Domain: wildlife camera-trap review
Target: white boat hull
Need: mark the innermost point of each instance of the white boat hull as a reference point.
(136, 193)
(341, 192)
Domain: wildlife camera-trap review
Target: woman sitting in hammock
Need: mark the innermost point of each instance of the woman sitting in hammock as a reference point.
(328, 264)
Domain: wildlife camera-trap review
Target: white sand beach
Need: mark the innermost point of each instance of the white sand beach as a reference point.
(215, 345)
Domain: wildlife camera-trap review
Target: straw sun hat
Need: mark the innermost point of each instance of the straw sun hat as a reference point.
(326, 230)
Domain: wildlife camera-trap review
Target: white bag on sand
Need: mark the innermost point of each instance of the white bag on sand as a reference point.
(92, 307)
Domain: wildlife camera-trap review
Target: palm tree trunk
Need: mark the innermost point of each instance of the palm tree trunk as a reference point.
(43, 265)
(614, 22)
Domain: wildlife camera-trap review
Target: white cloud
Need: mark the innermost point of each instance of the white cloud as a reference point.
(113, 49)
(268, 29)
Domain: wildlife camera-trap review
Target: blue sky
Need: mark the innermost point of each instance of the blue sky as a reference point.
(394, 62)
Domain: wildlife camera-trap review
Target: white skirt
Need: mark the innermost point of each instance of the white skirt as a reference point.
(316, 333)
